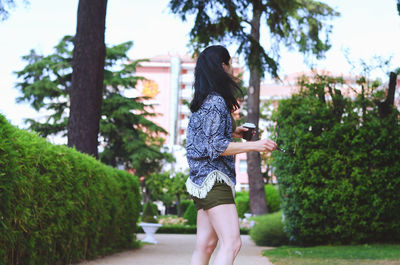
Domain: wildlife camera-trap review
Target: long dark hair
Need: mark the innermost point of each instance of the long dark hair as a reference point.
(209, 76)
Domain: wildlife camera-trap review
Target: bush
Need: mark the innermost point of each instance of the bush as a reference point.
(183, 229)
(268, 230)
(272, 197)
(173, 229)
(242, 205)
(241, 193)
(184, 205)
(155, 208)
(58, 205)
(191, 214)
(148, 213)
(341, 184)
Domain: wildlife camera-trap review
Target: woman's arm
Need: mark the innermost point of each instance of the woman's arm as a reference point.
(263, 145)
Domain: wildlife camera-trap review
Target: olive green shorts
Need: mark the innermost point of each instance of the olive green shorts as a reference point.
(220, 193)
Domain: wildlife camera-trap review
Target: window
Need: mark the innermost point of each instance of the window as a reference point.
(243, 165)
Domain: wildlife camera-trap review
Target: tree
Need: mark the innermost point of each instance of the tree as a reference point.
(129, 138)
(177, 187)
(386, 107)
(290, 23)
(164, 185)
(340, 184)
(87, 77)
(6, 6)
(398, 6)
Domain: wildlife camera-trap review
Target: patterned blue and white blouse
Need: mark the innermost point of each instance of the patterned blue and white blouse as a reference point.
(208, 135)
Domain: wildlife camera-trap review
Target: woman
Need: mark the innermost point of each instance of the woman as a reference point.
(210, 151)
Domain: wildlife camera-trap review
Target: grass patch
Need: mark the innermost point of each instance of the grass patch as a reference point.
(316, 261)
(332, 255)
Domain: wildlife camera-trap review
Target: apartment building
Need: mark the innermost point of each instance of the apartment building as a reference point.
(169, 85)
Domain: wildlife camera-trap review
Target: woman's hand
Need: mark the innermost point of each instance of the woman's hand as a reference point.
(264, 145)
(238, 133)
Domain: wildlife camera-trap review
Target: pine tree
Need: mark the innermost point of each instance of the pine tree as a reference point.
(129, 137)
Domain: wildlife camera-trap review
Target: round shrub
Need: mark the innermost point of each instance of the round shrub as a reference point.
(241, 193)
(242, 205)
(191, 214)
(273, 198)
(268, 230)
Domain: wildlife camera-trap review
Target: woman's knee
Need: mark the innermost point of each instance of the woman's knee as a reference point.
(207, 246)
(233, 246)
(237, 245)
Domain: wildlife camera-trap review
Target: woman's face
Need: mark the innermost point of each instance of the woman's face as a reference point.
(228, 68)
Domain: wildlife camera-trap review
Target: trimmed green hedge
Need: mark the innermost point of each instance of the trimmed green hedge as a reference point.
(183, 229)
(342, 184)
(268, 230)
(58, 205)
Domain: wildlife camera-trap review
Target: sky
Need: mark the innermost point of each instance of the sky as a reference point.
(366, 28)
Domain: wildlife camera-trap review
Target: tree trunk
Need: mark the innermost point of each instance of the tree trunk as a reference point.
(87, 76)
(146, 192)
(385, 108)
(258, 203)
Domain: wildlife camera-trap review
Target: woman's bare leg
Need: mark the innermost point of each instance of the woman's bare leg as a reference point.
(224, 219)
(206, 240)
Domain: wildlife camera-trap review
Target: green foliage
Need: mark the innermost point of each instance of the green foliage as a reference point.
(129, 137)
(341, 184)
(148, 213)
(372, 252)
(295, 24)
(59, 206)
(166, 187)
(272, 197)
(268, 230)
(191, 214)
(242, 205)
(155, 208)
(6, 6)
(241, 193)
(174, 229)
(177, 184)
(183, 229)
(184, 205)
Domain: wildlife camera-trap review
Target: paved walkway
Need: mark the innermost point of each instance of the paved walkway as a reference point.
(176, 249)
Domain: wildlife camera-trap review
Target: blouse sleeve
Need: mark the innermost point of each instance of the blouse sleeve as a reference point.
(214, 125)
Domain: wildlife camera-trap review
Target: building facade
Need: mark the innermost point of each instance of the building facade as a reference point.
(169, 87)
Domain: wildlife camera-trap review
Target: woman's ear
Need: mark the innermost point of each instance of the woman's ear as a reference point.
(225, 67)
